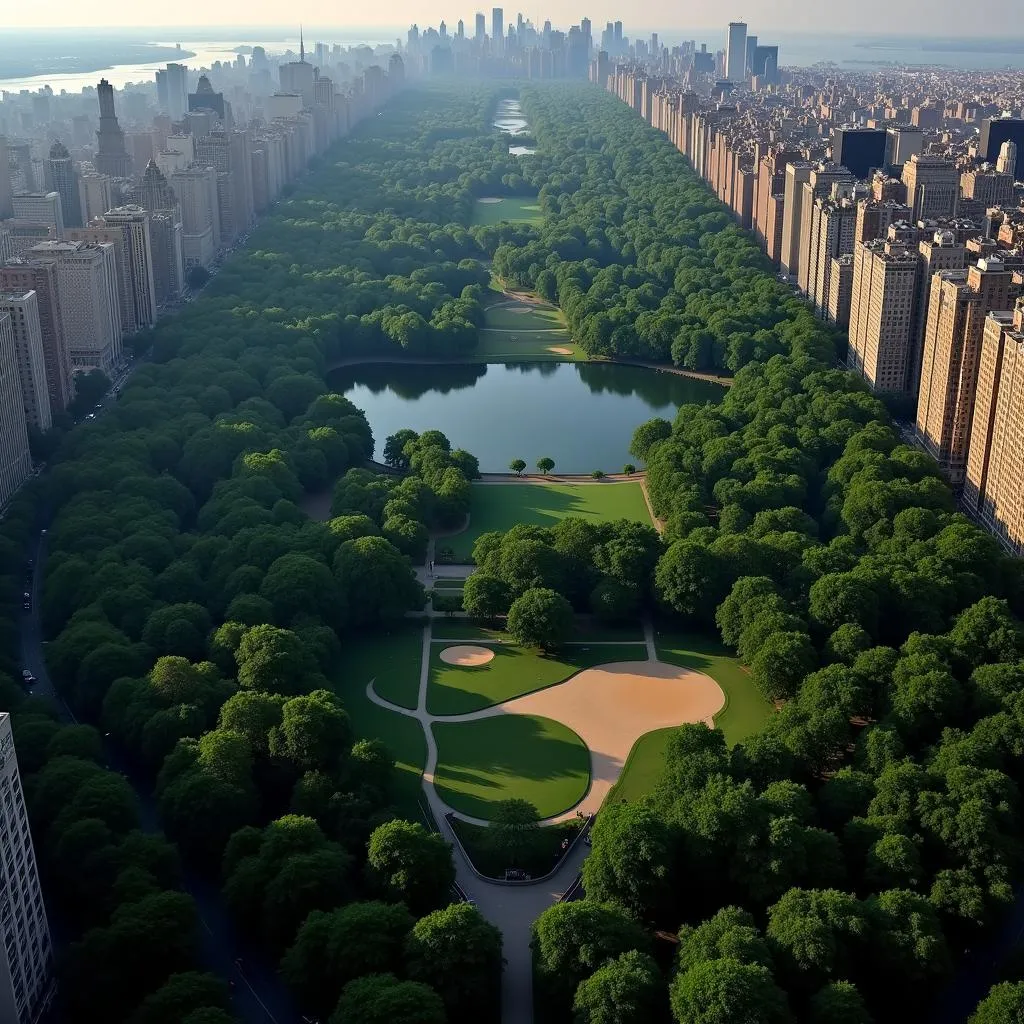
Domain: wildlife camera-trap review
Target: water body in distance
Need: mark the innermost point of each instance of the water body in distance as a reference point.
(508, 117)
(582, 415)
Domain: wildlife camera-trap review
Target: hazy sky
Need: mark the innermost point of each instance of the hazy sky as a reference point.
(863, 17)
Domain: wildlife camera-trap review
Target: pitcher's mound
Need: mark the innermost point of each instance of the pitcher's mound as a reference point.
(467, 655)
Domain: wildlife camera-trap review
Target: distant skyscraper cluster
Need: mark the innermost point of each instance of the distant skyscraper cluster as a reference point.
(891, 202)
(101, 224)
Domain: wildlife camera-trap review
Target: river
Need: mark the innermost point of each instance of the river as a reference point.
(582, 415)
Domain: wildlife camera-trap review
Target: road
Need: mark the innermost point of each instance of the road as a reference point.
(260, 997)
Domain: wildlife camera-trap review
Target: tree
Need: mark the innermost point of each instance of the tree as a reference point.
(598, 474)
(647, 435)
(517, 466)
(839, 1002)
(411, 864)
(196, 277)
(725, 991)
(315, 731)
(1004, 1004)
(628, 469)
(545, 465)
(179, 996)
(274, 660)
(458, 954)
(540, 618)
(383, 999)
(485, 595)
(379, 578)
(781, 664)
(513, 829)
(627, 990)
(394, 448)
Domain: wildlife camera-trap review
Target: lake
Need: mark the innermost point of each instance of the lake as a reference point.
(508, 118)
(582, 415)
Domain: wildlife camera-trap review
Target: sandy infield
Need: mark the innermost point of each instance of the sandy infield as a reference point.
(490, 199)
(466, 655)
(560, 350)
(612, 706)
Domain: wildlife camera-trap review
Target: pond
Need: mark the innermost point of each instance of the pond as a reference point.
(521, 150)
(582, 415)
(508, 117)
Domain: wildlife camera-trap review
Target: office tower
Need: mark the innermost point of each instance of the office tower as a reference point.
(111, 157)
(997, 130)
(99, 233)
(1007, 162)
(748, 58)
(766, 63)
(736, 52)
(862, 150)
(62, 178)
(819, 185)
(874, 218)
(196, 189)
(23, 166)
(840, 289)
(23, 311)
(481, 27)
(40, 208)
(87, 283)
(230, 154)
(901, 143)
(994, 486)
(154, 193)
(960, 302)
(40, 278)
(94, 196)
(834, 221)
(6, 190)
(26, 988)
(933, 186)
(497, 28)
(15, 468)
(134, 224)
(881, 303)
(177, 91)
(941, 251)
(157, 196)
(797, 174)
(204, 98)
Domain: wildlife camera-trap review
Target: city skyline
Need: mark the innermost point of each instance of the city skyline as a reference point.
(943, 17)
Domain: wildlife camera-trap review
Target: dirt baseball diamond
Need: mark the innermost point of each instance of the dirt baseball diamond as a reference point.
(466, 655)
(610, 708)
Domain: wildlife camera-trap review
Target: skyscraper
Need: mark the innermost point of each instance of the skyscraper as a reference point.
(797, 173)
(177, 90)
(819, 185)
(41, 208)
(40, 277)
(862, 150)
(994, 485)
(23, 311)
(736, 52)
(960, 301)
(1007, 162)
(62, 178)
(15, 468)
(481, 27)
(26, 986)
(997, 130)
(134, 223)
(933, 186)
(902, 141)
(880, 309)
(497, 29)
(111, 158)
(94, 196)
(6, 191)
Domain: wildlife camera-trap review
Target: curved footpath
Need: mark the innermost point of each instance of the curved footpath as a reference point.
(259, 996)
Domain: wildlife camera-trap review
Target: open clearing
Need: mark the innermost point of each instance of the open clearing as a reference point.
(526, 756)
(608, 707)
(502, 506)
(522, 316)
(513, 671)
(495, 209)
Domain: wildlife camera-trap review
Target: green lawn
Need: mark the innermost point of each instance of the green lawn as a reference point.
(362, 660)
(585, 630)
(511, 315)
(455, 689)
(502, 346)
(642, 768)
(745, 710)
(466, 629)
(502, 506)
(511, 208)
(522, 756)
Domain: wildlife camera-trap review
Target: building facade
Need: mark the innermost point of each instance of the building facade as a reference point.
(23, 310)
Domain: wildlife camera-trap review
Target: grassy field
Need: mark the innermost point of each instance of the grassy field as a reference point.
(521, 316)
(508, 756)
(642, 768)
(586, 630)
(375, 657)
(502, 506)
(502, 346)
(745, 710)
(511, 208)
(456, 689)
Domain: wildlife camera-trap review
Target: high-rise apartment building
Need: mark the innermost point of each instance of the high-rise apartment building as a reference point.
(990, 187)
(497, 29)
(230, 155)
(196, 190)
(994, 485)
(941, 251)
(819, 185)
(874, 217)
(111, 157)
(933, 186)
(23, 311)
(26, 958)
(833, 225)
(862, 150)
(481, 27)
(881, 305)
(40, 277)
(99, 233)
(840, 291)
(736, 52)
(797, 173)
(94, 196)
(41, 208)
(87, 282)
(62, 178)
(15, 468)
(1007, 161)
(134, 224)
(960, 302)
(6, 189)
